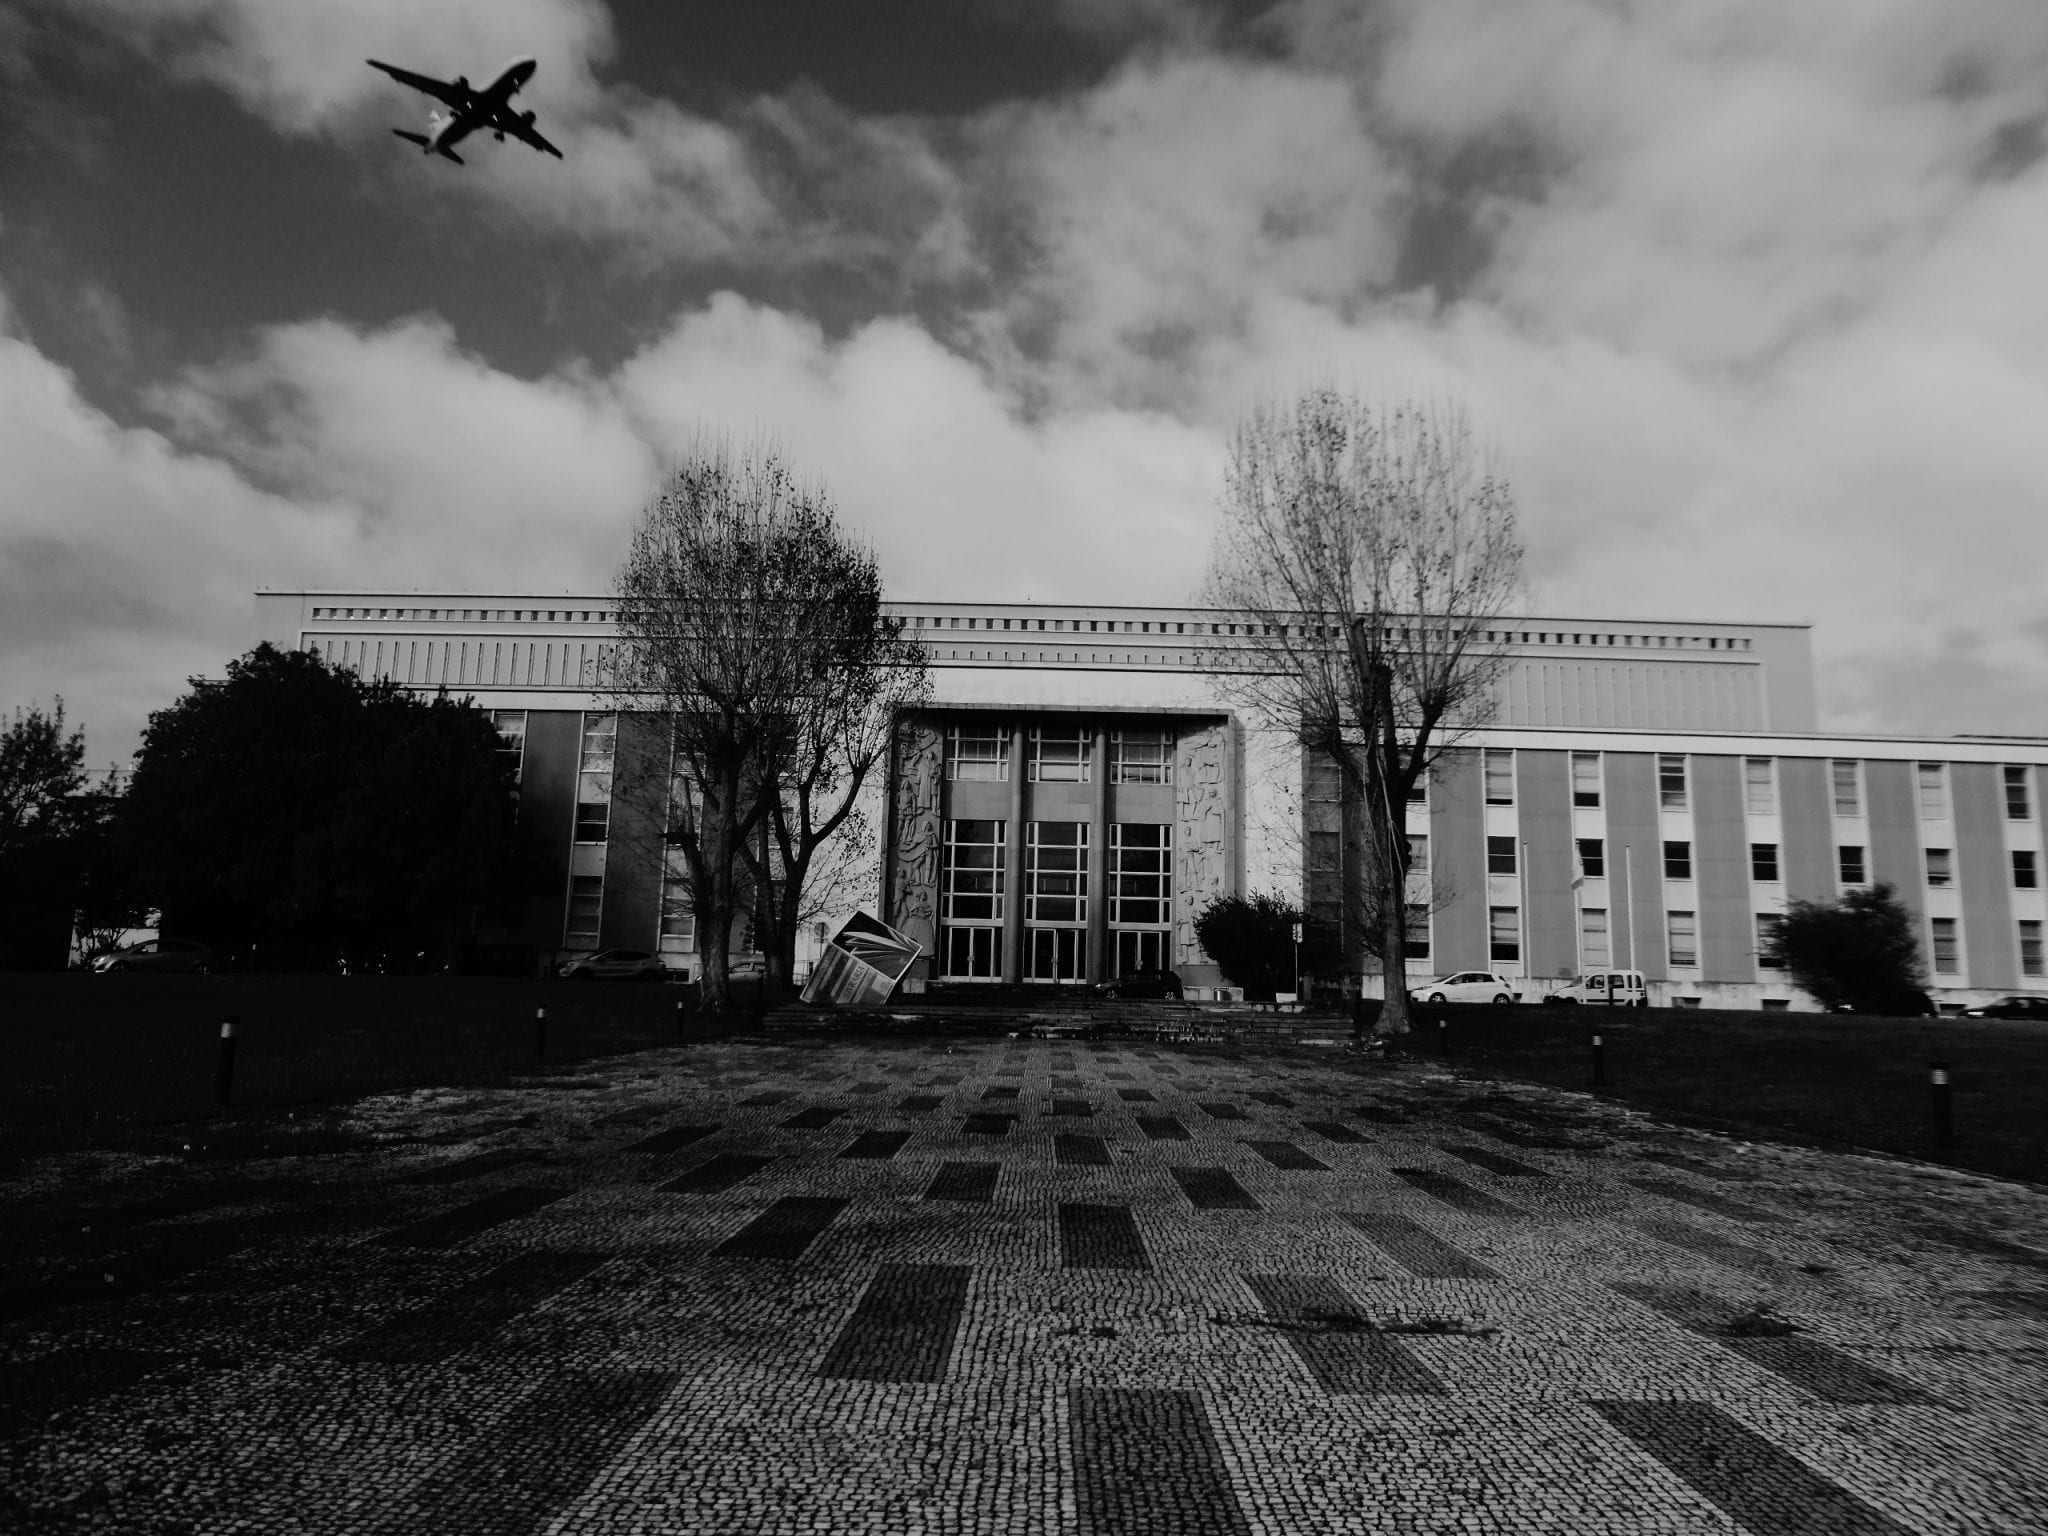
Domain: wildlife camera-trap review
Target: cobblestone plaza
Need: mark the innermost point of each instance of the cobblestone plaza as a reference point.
(1023, 1286)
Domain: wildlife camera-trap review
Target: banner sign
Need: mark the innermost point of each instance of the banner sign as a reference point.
(861, 964)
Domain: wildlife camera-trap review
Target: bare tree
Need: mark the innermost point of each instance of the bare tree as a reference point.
(744, 611)
(1367, 553)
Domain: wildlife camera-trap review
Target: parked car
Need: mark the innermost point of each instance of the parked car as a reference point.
(2027, 1007)
(1910, 1004)
(1469, 987)
(615, 965)
(1142, 984)
(185, 955)
(1616, 989)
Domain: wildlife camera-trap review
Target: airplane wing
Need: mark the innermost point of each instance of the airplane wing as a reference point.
(440, 89)
(517, 125)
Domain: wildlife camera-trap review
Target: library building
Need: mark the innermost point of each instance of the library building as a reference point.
(1649, 795)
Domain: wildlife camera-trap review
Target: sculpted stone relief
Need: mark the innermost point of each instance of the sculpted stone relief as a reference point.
(1202, 780)
(920, 836)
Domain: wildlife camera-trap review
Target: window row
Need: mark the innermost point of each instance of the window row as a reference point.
(1140, 873)
(1058, 754)
(1590, 861)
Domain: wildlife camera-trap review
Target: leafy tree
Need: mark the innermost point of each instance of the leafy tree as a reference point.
(297, 809)
(1862, 950)
(1251, 939)
(752, 629)
(1369, 554)
(41, 771)
(53, 831)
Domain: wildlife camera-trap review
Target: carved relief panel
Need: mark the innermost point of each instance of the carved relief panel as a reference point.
(919, 842)
(1205, 793)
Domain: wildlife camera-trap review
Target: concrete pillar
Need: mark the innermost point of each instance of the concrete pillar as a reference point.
(1013, 862)
(1098, 858)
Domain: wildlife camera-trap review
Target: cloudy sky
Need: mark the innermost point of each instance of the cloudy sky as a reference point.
(1750, 297)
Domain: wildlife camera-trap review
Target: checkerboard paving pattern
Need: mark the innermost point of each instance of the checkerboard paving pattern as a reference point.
(1012, 1286)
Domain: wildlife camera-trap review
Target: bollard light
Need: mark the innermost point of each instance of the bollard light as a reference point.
(1944, 1107)
(224, 1061)
(540, 1033)
(1599, 1060)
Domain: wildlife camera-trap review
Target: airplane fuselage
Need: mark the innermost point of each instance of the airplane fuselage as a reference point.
(482, 107)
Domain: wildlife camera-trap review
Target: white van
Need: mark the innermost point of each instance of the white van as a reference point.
(1614, 988)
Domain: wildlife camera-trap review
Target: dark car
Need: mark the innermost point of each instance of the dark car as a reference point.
(1899, 1005)
(615, 965)
(2031, 1007)
(184, 955)
(1141, 984)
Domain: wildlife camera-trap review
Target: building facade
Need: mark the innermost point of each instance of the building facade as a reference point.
(1650, 795)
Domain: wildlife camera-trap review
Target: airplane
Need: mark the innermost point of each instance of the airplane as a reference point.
(472, 110)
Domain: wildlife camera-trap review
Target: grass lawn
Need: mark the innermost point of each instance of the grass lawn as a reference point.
(1830, 1077)
(99, 1061)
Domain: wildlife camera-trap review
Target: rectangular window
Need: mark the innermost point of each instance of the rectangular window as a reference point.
(1418, 853)
(1143, 757)
(586, 906)
(1681, 932)
(1848, 787)
(1678, 861)
(593, 807)
(1055, 954)
(2026, 875)
(1500, 776)
(678, 924)
(1939, 869)
(1593, 857)
(1585, 778)
(600, 743)
(1418, 792)
(1139, 950)
(1671, 781)
(1140, 874)
(1760, 786)
(1945, 963)
(1500, 855)
(2019, 805)
(1056, 872)
(1504, 933)
(1059, 755)
(973, 954)
(511, 724)
(1770, 927)
(972, 879)
(1418, 930)
(978, 752)
(1933, 792)
(1763, 861)
(1593, 938)
(2031, 963)
(1849, 861)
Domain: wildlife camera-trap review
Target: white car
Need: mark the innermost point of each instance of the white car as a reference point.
(1469, 987)
(615, 965)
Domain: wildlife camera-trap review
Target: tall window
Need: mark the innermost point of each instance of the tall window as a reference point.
(1500, 776)
(1760, 787)
(1770, 928)
(594, 777)
(1593, 937)
(1671, 781)
(2018, 803)
(1143, 757)
(678, 922)
(511, 724)
(978, 751)
(1678, 861)
(1681, 932)
(1763, 861)
(1504, 933)
(1945, 961)
(1418, 930)
(2031, 960)
(1418, 792)
(1056, 872)
(1059, 755)
(1939, 869)
(1585, 778)
(1848, 787)
(1592, 857)
(1850, 866)
(1418, 854)
(973, 876)
(1500, 855)
(586, 907)
(1933, 792)
(1140, 874)
(2025, 873)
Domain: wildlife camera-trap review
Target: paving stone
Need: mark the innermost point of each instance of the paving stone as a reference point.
(904, 1326)
(1100, 1237)
(1146, 1461)
(1770, 1492)
(1705, 1200)
(1711, 1245)
(772, 1097)
(784, 1230)
(481, 1215)
(1277, 1100)
(1336, 1343)
(1076, 1107)
(919, 1104)
(68, 1377)
(1214, 1189)
(1457, 1192)
(1417, 1249)
(1337, 1131)
(468, 1314)
(972, 1182)
(1221, 1111)
(987, 1125)
(1493, 1162)
(674, 1139)
(1285, 1154)
(816, 1118)
(1162, 1128)
(1378, 1114)
(1136, 1095)
(876, 1144)
(1080, 1151)
(719, 1174)
(1698, 1166)
(469, 1167)
(999, 1093)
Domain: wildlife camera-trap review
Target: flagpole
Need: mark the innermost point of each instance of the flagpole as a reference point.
(1629, 911)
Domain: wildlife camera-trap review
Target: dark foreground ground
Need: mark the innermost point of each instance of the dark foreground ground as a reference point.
(872, 1285)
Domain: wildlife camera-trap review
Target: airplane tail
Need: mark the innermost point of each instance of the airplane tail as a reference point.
(417, 138)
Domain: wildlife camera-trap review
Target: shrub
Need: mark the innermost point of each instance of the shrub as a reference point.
(1862, 950)
(1252, 940)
